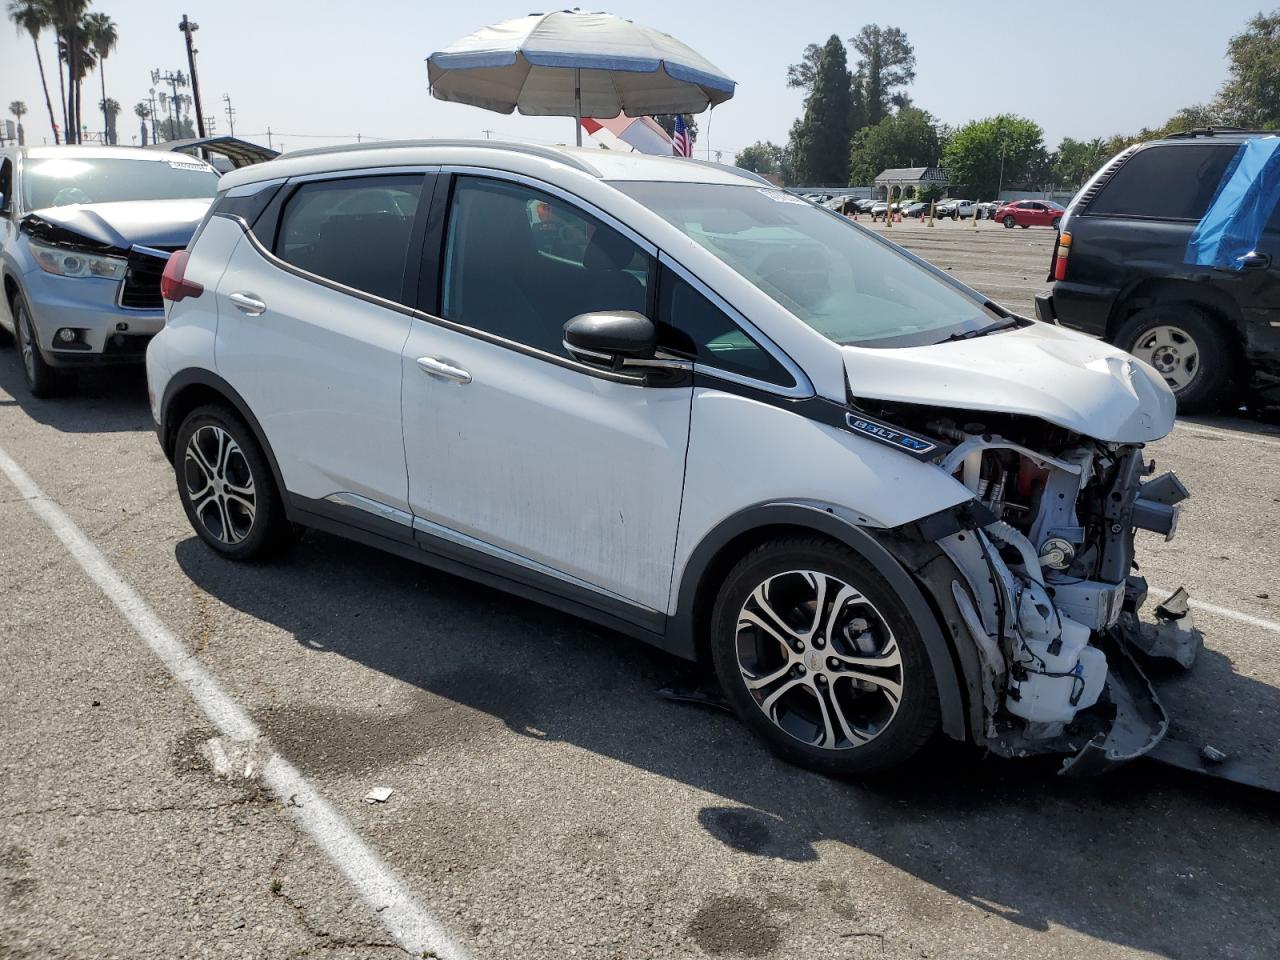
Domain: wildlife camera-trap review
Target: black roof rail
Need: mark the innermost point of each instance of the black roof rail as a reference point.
(1213, 131)
(546, 153)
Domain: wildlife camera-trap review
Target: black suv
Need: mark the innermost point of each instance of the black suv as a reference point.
(1120, 272)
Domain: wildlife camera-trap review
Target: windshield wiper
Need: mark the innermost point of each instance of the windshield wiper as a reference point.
(981, 331)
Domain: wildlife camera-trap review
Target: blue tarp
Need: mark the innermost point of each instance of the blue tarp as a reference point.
(1245, 201)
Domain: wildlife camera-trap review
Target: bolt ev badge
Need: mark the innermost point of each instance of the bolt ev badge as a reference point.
(889, 435)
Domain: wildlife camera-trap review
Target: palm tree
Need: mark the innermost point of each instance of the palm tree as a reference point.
(142, 111)
(67, 21)
(110, 110)
(33, 17)
(19, 109)
(102, 35)
(164, 105)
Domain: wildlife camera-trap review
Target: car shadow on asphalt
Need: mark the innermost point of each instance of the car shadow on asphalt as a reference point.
(106, 400)
(1147, 858)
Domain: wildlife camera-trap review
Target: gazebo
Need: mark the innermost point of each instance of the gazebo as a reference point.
(895, 183)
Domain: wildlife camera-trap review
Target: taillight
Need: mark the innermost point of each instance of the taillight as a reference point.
(1060, 255)
(174, 285)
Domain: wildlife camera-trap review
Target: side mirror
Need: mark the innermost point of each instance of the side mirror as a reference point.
(611, 336)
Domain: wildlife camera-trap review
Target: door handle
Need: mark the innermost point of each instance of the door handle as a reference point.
(1255, 260)
(435, 367)
(248, 303)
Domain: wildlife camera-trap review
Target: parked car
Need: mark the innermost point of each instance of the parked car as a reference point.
(917, 209)
(956, 209)
(879, 209)
(1121, 272)
(84, 236)
(722, 421)
(1031, 213)
(865, 205)
(987, 209)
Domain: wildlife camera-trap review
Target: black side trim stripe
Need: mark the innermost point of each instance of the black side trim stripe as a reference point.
(844, 417)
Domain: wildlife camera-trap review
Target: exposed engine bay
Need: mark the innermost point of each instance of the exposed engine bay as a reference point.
(1042, 577)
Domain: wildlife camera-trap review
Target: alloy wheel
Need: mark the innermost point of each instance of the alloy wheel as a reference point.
(26, 344)
(219, 484)
(1172, 352)
(819, 659)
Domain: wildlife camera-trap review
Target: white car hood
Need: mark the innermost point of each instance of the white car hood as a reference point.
(1043, 371)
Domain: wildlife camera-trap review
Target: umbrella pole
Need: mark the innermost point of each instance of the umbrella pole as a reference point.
(577, 104)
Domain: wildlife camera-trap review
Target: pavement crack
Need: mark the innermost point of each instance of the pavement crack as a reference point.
(69, 811)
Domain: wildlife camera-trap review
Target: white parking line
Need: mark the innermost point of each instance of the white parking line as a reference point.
(407, 921)
(1219, 433)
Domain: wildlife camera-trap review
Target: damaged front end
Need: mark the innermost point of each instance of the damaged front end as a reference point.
(1035, 577)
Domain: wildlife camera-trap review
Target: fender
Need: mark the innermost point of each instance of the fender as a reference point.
(199, 376)
(682, 626)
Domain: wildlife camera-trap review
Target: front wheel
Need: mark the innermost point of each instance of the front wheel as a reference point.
(1009, 222)
(820, 658)
(1187, 348)
(226, 486)
(1057, 223)
(42, 379)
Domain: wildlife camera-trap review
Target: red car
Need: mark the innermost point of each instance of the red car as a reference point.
(1030, 213)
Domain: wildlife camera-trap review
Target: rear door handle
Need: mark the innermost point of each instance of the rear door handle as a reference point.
(1255, 260)
(248, 303)
(435, 367)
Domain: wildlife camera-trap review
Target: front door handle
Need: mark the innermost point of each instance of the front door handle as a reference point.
(435, 367)
(1255, 260)
(248, 303)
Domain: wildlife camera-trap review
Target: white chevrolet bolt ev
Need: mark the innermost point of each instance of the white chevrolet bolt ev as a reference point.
(677, 401)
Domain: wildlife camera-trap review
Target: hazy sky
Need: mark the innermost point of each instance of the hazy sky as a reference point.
(318, 72)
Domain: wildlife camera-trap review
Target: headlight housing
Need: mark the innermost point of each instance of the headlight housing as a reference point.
(67, 262)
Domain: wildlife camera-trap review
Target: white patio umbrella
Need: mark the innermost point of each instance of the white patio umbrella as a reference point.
(571, 64)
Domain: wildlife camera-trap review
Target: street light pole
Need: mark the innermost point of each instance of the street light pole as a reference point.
(188, 27)
(1000, 185)
(231, 113)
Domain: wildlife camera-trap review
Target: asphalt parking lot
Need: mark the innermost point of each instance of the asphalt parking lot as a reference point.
(547, 804)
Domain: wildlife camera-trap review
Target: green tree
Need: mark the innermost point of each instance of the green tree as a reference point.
(908, 138)
(984, 155)
(102, 36)
(1251, 95)
(887, 62)
(802, 74)
(142, 111)
(19, 110)
(1077, 160)
(67, 19)
(765, 158)
(820, 138)
(34, 17)
(110, 111)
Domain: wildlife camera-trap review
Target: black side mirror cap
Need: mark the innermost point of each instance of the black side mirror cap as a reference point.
(611, 336)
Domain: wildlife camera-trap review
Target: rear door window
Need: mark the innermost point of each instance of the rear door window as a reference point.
(354, 231)
(1174, 182)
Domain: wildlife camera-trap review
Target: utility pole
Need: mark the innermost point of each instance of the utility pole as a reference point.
(269, 147)
(189, 27)
(1000, 186)
(175, 79)
(154, 137)
(231, 113)
(487, 134)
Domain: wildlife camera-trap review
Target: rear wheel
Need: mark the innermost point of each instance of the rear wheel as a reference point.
(1008, 221)
(226, 486)
(1185, 346)
(42, 379)
(1057, 223)
(820, 658)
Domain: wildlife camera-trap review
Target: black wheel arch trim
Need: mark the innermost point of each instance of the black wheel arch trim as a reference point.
(682, 627)
(200, 377)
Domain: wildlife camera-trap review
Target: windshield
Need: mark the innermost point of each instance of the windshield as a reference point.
(58, 181)
(841, 282)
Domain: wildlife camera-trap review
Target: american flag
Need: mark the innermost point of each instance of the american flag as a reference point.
(681, 142)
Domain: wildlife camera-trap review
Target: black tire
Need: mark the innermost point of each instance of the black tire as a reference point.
(42, 379)
(1057, 223)
(1025, 226)
(1008, 221)
(894, 738)
(222, 519)
(1210, 384)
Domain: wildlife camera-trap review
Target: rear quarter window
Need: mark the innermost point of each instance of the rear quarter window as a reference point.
(1175, 182)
